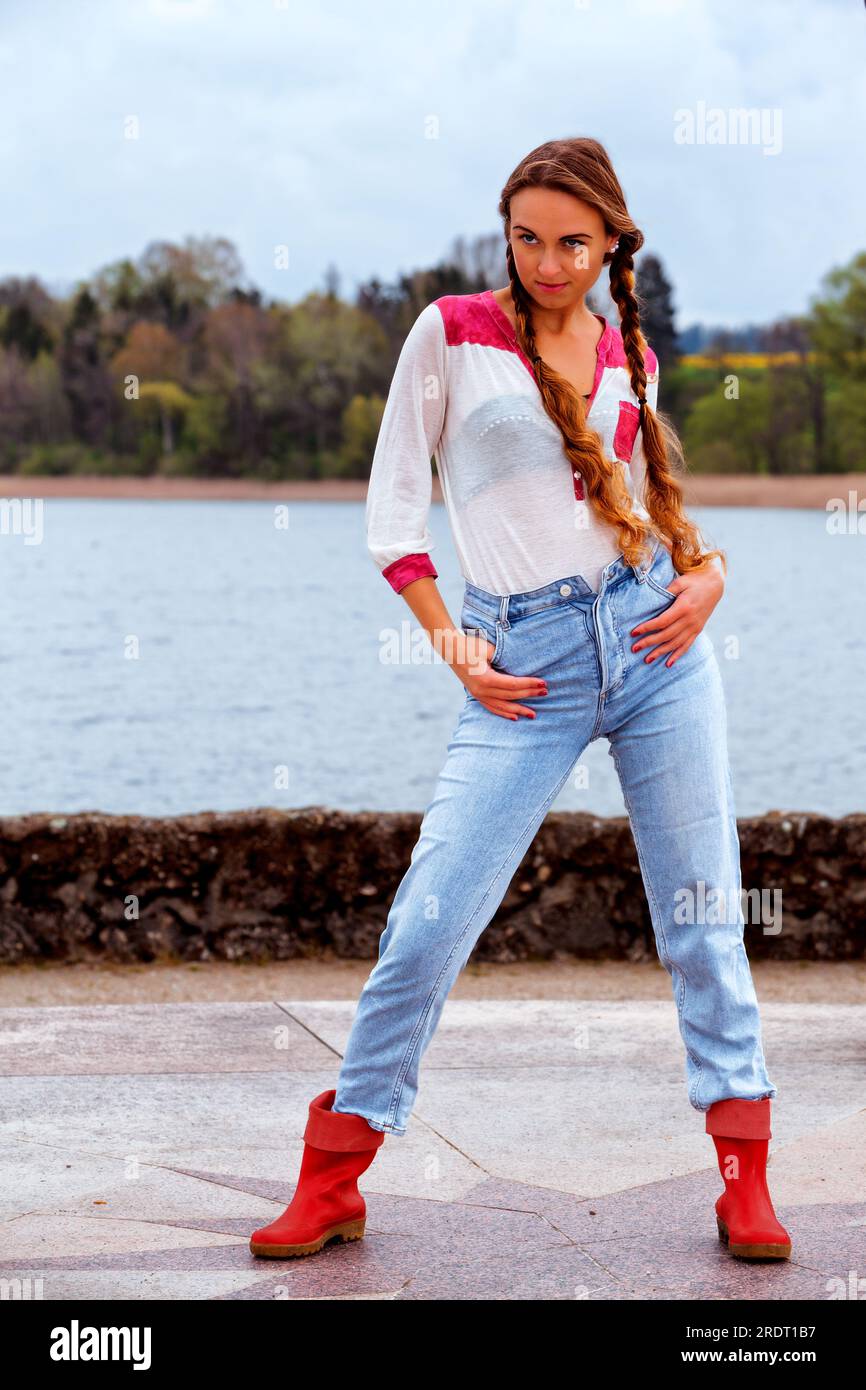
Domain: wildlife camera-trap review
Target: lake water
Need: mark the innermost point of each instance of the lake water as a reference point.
(166, 657)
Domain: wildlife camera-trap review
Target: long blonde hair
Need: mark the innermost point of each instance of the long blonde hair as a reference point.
(582, 167)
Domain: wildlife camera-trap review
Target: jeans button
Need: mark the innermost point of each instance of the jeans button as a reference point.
(565, 590)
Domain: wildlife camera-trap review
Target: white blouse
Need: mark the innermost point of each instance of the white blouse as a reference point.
(464, 392)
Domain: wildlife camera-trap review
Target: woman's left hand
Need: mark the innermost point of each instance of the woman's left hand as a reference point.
(698, 592)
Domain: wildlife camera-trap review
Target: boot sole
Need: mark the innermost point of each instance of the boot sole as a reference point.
(349, 1230)
(753, 1252)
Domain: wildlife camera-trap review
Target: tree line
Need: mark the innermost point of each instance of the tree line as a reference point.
(175, 364)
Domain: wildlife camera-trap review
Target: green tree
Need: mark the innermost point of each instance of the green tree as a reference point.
(360, 428)
(655, 297)
(25, 313)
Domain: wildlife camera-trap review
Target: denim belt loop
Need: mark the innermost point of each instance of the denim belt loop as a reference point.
(503, 612)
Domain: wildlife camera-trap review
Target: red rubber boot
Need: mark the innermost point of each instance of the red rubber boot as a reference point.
(327, 1205)
(744, 1213)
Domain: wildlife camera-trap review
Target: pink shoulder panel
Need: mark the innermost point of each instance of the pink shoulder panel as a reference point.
(616, 354)
(468, 321)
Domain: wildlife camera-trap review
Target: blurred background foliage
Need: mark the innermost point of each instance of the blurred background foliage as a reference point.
(173, 364)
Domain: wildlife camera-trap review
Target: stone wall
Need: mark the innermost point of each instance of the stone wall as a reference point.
(277, 885)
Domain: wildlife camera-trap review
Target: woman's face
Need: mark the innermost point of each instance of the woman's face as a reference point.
(557, 241)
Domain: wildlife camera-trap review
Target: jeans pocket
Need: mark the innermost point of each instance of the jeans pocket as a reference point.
(660, 589)
(481, 625)
(662, 572)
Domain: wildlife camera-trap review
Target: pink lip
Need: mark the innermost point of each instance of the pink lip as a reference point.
(551, 289)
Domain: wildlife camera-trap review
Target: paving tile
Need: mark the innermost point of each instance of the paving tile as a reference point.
(48, 1240)
(41, 1177)
(247, 1123)
(700, 1264)
(134, 1285)
(544, 1127)
(354, 1269)
(678, 1204)
(827, 1164)
(554, 1273)
(129, 1039)
(139, 1148)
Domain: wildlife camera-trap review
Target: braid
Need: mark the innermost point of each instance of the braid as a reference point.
(664, 493)
(622, 293)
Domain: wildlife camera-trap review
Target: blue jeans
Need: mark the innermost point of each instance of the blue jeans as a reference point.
(667, 728)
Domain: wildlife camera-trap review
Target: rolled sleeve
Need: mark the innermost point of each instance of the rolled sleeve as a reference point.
(400, 488)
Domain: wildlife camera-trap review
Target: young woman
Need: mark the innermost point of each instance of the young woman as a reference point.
(587, 592)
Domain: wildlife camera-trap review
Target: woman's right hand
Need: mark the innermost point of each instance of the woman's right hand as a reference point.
(468, 654)
(496, 691)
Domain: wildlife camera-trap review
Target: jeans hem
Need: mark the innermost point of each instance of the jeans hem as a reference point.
(765, 1095)
(383, 1128)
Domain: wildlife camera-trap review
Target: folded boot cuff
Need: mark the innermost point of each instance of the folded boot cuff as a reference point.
(740, 1119)
(341, 1133)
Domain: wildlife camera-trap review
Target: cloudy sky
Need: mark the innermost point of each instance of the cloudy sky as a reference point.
(277, 123)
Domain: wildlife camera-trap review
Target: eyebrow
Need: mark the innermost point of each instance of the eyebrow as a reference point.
(519, 227)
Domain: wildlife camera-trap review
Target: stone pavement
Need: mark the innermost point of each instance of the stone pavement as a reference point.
(552, 1154)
